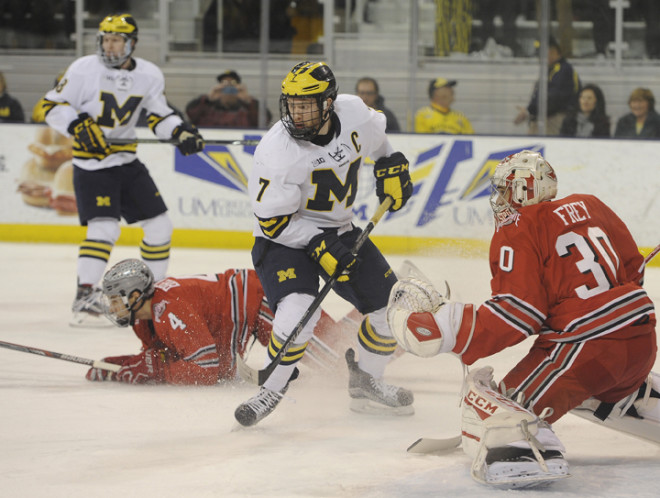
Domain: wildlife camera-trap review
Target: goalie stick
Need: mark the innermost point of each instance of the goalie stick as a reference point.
(111, 367)
(428, 445)
(649, 257)
(258, 377)
(210, 141)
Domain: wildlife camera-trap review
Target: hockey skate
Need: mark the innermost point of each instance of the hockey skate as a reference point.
(261, 404)
(509, 467)
(370, 395)
(88, 309)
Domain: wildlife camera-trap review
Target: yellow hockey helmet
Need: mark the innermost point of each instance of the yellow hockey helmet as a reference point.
(308, 80)
(117, 24)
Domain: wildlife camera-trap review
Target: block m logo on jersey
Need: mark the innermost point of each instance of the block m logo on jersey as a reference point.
(113, 114)
(328, 183)
(103, 201)
(288, 274)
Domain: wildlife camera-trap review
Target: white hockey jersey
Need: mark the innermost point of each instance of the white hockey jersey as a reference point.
(297, 186)
(114, 98)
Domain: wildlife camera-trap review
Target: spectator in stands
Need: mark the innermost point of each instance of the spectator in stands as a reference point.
(227, 105)
(507, 10)
(367, 89)
(602, 17)
(642, 121)
(10, 108)
(563, 88)
(438, 117)
(590, 120)
(650, 13)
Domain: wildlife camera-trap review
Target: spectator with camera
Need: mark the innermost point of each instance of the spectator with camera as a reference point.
(227, 105)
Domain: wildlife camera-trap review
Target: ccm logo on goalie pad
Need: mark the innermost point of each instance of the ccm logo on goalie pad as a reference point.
(424, 334)
(486, 408)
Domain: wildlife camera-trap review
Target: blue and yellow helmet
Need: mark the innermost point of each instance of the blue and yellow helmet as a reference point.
(313, 80)
(118, 24)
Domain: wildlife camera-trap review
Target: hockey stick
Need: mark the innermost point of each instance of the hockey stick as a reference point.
(258, 377)
(210, 141)
(426, 445)
(111, 367)
(649, 257)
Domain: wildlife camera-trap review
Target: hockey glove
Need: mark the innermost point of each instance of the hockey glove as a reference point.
(89, 139)
(190, 141)
(147, 367)
(100, 375)
(393, 179)
(333, 256)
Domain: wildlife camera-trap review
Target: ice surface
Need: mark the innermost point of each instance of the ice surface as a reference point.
(62, 436)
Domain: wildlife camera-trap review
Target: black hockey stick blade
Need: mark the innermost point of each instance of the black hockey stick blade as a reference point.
(59, 356)
(258, 377)
(173, 141)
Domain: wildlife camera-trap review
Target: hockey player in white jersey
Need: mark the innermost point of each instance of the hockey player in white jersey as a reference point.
(100, 97)
(302, 188)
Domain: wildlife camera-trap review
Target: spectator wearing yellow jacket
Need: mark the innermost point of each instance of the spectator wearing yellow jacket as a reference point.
(438, 117)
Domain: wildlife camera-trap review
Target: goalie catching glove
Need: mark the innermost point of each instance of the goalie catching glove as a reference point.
(190, 141)
(425, 323)
(393, 180)
(89, 140)
(333, 256)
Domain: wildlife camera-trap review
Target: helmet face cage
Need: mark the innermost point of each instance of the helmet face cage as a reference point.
(308, 80)
(119, 284)
(123, 25)
(522, 179)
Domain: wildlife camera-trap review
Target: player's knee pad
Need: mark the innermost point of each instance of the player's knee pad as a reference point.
(157, 230)
(289, 312)
(637, 414)
(103, 229)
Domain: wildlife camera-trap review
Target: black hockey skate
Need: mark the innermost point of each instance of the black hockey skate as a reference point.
(370, 395)
(261, 404)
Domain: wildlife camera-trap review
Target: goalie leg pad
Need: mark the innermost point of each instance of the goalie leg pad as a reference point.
(637, 414)
(511, 446)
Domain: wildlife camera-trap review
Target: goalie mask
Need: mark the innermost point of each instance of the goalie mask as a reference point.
(126, 286)
(304, 106)
(521, 179)
(123, 25)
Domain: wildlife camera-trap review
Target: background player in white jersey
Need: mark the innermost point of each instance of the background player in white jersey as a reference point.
(302, 188)
(568, 272)
(101, 96)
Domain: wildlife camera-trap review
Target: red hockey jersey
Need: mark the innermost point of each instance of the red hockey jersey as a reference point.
(568, 269)
(203, 322)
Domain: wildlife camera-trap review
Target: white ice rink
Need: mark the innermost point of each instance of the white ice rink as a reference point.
(62, 436)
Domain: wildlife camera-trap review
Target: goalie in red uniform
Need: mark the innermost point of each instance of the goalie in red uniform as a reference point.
(568, 272)
(191, 327)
